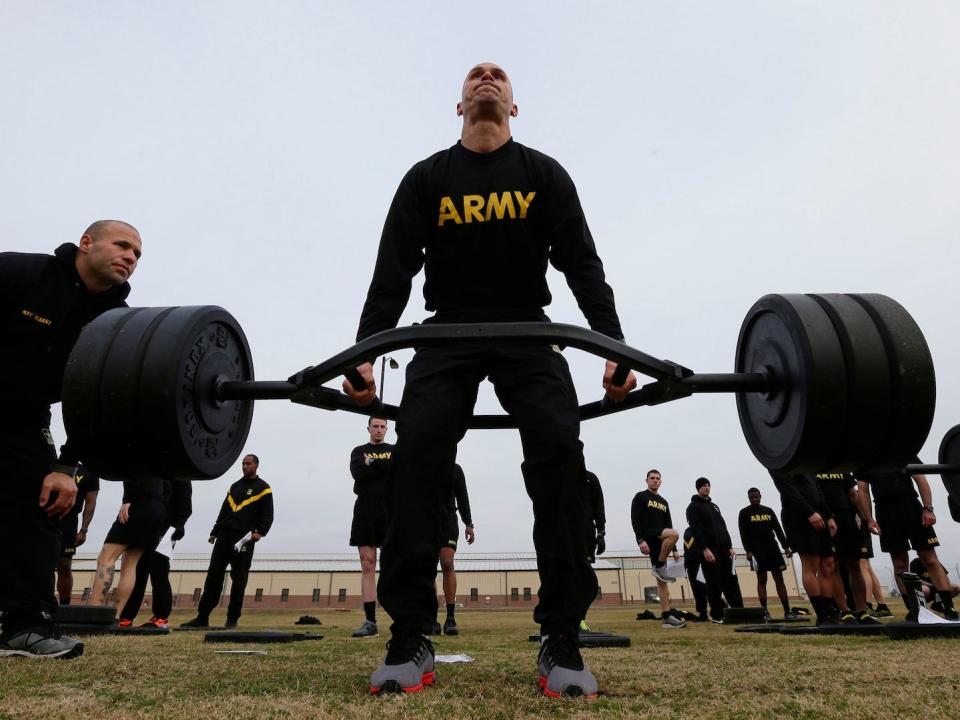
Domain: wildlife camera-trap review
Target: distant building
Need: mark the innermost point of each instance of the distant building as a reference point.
(483, 580)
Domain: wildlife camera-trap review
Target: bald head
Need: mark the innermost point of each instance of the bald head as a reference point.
(99, 228)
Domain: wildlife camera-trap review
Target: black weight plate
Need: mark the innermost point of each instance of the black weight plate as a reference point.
(796, 426)
(751, 615)
(950, 455)
(86, 614)
(300, 637)
(249, 636)
(869, 394)
(916, 631)
(760, 629)
(83, 386)
(187, 433)
(590, 639)
(913, 380)
(120, 413)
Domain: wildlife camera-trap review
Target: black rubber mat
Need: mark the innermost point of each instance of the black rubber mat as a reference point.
(86, 614)
(259, 636)
(594, 639)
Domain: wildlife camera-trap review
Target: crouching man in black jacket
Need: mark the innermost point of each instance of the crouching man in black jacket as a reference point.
(45, 300)
(711, 536)
(248, 508)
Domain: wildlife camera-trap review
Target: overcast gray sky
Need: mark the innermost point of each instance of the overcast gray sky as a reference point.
(721, 150)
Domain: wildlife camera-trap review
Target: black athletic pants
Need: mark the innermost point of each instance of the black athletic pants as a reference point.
(239, 562)
(699, 589)
(722, 583)
(29, 540)
(534, 386)
(155, 567)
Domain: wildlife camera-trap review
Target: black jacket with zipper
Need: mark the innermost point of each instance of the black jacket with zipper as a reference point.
(43, 307)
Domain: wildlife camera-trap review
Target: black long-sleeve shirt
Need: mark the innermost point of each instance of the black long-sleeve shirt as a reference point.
(649, 512)
(758, 524)
(801, 494)
(156, 490)
(370, 479)
(43, 307)
(247, 507)
(707, 524)
(459, 499)
(484, 226)
(179, 503)
(836, 489)
(597, 510)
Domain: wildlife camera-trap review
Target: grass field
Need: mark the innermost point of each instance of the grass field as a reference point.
(703, 671)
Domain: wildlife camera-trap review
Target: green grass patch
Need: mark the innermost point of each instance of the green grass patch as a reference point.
(702, 671)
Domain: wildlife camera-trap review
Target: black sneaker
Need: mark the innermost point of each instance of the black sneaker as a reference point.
(43, 641)
(883, 611)
(230, 624)
(197, 622)
(561, 672)
(450, 627)
(436, 629)
(865, 618)
(408, 666)
(847, 618)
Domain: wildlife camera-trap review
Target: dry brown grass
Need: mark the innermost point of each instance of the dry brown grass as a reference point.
(699, 672)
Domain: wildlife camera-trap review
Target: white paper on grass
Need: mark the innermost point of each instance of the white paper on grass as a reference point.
(928, 618)
(452, 659)
(167, 544)
(676, 569)
(243, 541)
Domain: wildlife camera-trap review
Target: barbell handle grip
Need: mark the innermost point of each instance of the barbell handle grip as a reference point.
(356, 380)
(619, 378)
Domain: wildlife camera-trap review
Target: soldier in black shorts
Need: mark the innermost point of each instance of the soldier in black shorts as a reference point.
(459, 501)
(904, 521)
(808, 524)
(656, 537)
(759, 531)
(139, 525)
(484, 217)
(154, 565)
(73, 531)
(840, 492)
(370, 467)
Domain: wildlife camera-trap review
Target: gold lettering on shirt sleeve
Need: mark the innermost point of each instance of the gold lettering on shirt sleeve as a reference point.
(524, 202)
(498, 205)
(448, 212)
(472, 205)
